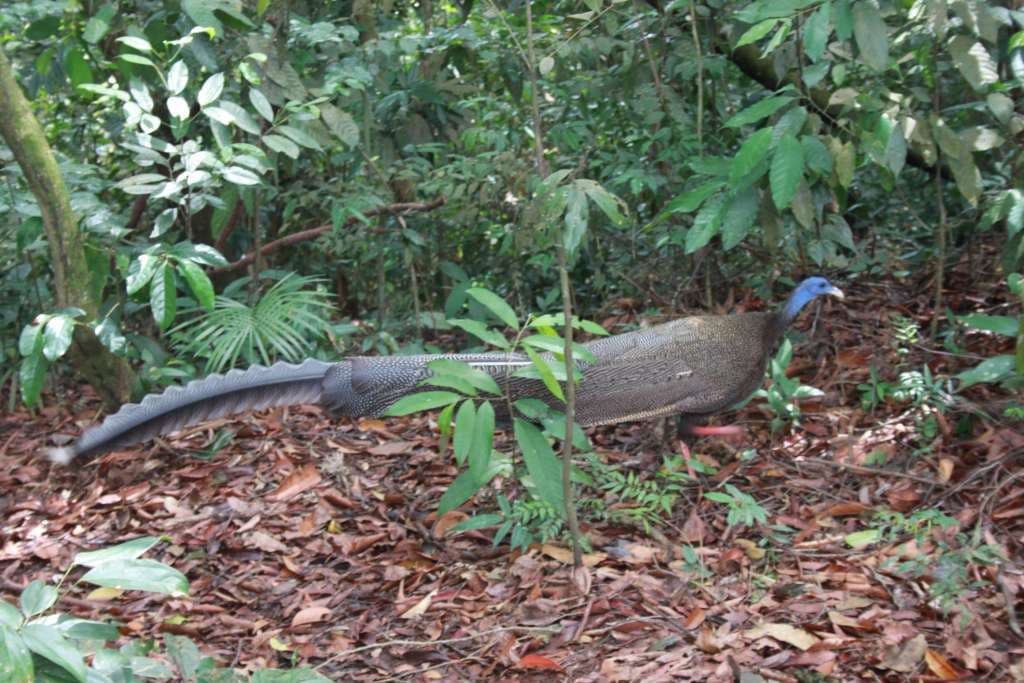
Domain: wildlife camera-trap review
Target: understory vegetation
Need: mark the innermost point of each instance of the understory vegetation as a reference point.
(190, 187)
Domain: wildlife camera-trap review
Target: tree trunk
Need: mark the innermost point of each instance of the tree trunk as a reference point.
(110, 375)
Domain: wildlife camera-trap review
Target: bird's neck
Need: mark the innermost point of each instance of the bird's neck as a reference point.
(797, 300)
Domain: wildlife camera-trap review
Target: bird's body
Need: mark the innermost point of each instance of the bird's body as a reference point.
(691, 366)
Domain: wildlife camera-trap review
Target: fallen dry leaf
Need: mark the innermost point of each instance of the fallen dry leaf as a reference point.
(532, 661)
(299, 481)
(310, 615)
(906, 657)
(420, 607)
(797, 637)
(940, 666)
(564, 555)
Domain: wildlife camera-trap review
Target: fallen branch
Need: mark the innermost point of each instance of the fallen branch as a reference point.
(313, 233)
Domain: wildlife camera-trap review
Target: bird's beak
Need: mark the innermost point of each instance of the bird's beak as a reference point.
(836, 292)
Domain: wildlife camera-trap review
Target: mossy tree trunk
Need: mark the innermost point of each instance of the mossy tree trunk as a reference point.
(110, 375)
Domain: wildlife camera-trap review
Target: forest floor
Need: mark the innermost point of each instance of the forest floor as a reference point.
(313, 541)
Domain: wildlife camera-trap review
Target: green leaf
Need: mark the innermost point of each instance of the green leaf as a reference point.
(77, 67)
(198, 282)
(483, 442)
(44, 28)
(451, 382)
(751, 154)
(719, 497)
(299, 137)
(31, 374)
(787, 170)
(31, 340)
(577, 217)
(241, 176)
(211, 89)
(9, 615)
(555, 344)
(689, 201)
(137, 59)
(974, 62)
(462, 489)
(706, 225)
(177, 77)
(756, 32)
(465, 426)
(281, 144)
(816, 154)
(135, 574)
(163, 297)
(546, 374)
(477, 522)
(136, 43)
(184, 655)
(46, 641)
(481, 331)
(478, 378)
(871, 34)
(200, 253)
(178, 108)
(15, 659)
(987, 372)
(98, 24)
(37, 598)
(496, 305)
(544, 467)
(141, 272)
(240, 117)
(420, 401)
(758, 111)
(1000, 324)
(605, 200)
(862, 539)
(261, 104)
(739, 217)
(58, 334)
(816, 32)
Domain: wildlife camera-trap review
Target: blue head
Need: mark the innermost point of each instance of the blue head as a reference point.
(806, 291)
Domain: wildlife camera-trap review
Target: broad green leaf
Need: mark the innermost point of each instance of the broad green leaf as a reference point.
(136, 43)
(136, 574)
(791, 122)
(1000, 324)
(862, 539)
(98, 24)
(706, 225)
(31, 374)
(462, 489)
(281, 144)
(177, 77)
(543, 465)
(9, 615)
(816, 32)
(481, 331)
(198, 282)
(15, 659)
(787, 171)
(483, 442)
(44, 28)
(556, 344)
(496, 305)
(46, 641)
(201, 253)
(758, 111)
(164, 221)
(974, 62)
(219, 115)
(211, 89)
(37, 597)
(241, 117)
(299, 136)
(31, 339)
(988, 371)
(261, 104)
(751, 153)
(241, 176)
(546, 374)
(129, 550)
(477, 522)
(84, 629)
(478, 378)
(756, 32)
(690, 201)
(451, 382)
(184, 655)
(163, 297)
(577, 216)
(137, 59)
(178, 107)
(816, 154)
(465, 426)
(872, 35)
(606, 201)
(420, 401)
(57, 337)
(739, 217)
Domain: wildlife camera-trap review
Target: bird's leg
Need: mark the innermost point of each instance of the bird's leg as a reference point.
(724, 430)
(685, 451)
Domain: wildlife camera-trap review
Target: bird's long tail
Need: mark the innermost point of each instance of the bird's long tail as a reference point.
(257, 387)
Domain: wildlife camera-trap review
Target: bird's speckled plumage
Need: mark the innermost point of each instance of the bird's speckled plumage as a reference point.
(692, 366)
